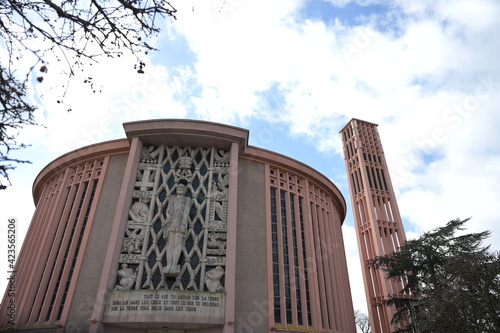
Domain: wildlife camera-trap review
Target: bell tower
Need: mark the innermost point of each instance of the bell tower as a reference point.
(377, 220)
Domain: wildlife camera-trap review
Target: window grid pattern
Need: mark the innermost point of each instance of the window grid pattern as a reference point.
(78, 245)
(47, 199)
(299, 254)
(50, 264)
(56, 276)
(287, 284)
(327, 234)
(66, 253)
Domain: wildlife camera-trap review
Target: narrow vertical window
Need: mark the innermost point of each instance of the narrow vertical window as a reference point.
(286, 263)
(66, 253)
(296, 260)
(379, 178)
(374, 179)
(75, 256)
(383, 178)
(53, 263)
(354, 185)
(369, 177)
(33, 309)
(304, 255)
(274, 236)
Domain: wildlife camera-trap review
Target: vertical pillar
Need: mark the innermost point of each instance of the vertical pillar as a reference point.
(231, 239)
(109, 274)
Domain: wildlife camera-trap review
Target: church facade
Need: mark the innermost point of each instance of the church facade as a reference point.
(182, 227)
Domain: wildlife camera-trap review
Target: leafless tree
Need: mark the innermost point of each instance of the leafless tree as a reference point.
(362, 322)
(75, 33)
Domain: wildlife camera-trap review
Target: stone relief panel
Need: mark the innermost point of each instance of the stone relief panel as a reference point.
(176, 232)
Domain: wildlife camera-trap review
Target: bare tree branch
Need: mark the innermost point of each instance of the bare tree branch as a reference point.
(76, 32)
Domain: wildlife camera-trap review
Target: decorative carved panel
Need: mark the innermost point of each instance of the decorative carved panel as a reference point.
(176, 232)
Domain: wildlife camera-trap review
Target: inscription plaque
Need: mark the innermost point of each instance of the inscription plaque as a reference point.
(165, 306)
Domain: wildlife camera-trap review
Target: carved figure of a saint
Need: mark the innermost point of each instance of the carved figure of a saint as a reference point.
(127, 278)
(220, 190)
(175, 227)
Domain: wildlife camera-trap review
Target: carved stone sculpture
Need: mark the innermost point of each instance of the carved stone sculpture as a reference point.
(127, 278)
(175, 228)
(213, 277)
(220, 194)
(139, 211)
(184, 172)
(216, 244)
(133, 240)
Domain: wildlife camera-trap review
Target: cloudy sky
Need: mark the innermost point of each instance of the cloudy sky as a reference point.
(295, 72)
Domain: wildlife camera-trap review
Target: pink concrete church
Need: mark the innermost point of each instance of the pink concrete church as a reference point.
(182, 227)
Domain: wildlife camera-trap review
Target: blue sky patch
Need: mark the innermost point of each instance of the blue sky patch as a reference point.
(273, 98)
(174, 52)
(351, 14)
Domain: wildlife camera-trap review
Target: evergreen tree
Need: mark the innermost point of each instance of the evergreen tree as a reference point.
(452, 282)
